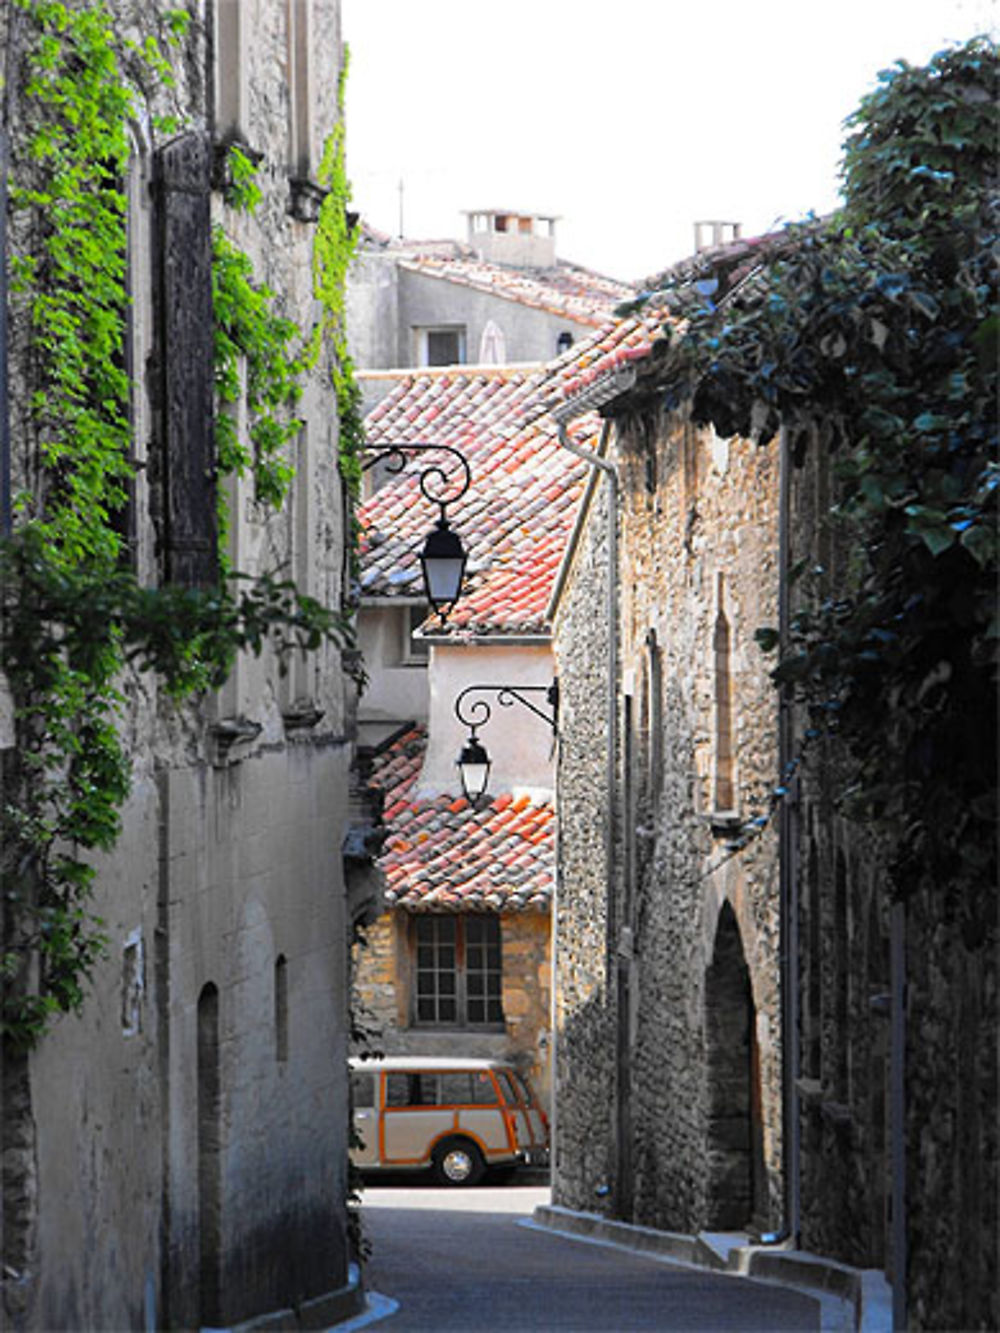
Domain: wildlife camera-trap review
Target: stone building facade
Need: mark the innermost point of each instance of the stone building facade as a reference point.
(175, 1154)
(502, 296)
(896, 1077)
(681, 902)
(722, 901)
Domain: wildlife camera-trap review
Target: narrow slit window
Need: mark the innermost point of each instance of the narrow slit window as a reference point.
(281, 1009)
(724, 792)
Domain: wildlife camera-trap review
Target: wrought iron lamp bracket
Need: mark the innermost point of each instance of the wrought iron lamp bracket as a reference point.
(434, 479)
(477, 712)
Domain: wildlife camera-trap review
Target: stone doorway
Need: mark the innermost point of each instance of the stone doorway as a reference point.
(209, 1157)
(734, 1138)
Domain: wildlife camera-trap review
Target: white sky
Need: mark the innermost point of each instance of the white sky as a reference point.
(628, 118)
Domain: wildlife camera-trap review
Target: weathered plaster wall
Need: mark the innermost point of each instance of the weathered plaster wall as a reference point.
(519, 744)
(397, 689)
(373, 316)
(250, 876)
(97, 1114)
(425, 302)
(225, 864)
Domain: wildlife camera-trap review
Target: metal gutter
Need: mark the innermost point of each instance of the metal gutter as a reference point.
(788, 849)
(598, 464)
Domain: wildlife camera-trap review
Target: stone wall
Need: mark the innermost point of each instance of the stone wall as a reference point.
(681, 913)
(381, 998)
(699, 577)
(898, 1024)
(180, 1145)
(584, 1035)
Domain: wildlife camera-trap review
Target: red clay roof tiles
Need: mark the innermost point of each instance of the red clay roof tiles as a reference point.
(518, 513)
(442, 855)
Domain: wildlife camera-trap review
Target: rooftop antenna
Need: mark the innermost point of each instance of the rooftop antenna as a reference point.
(400, 188)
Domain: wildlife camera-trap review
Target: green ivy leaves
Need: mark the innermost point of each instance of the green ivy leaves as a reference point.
(251, 339)
(74, 618)
(872, 338)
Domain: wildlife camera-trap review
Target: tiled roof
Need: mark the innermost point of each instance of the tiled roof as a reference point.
(564, 289)
(442, 855)
(516, 516)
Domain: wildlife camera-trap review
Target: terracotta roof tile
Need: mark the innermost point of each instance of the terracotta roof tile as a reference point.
(441, 854)
(563, 289)
(518, 510)
(517, 515)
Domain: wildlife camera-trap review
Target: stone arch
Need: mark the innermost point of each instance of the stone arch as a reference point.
(734, 1143)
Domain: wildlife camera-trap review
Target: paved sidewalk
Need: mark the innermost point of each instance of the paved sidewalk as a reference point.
(853, 1300)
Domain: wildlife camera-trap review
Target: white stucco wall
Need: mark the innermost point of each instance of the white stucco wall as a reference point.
(397, 690)
(520, 744)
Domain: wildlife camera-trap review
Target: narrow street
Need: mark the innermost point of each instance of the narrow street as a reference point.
(470, 1260)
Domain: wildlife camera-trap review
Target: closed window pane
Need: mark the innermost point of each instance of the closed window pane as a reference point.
(484, 1092)
(509, 1095)
(398, 1090)
(425, 1090)
(483, 975)
(456, 1088)
(458, 970)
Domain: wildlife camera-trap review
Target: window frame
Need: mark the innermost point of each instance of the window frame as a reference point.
(458, 972)
(421, 340)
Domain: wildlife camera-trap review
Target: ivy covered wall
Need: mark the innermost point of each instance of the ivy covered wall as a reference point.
(175, 567)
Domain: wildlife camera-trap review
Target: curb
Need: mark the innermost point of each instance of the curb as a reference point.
(861, 1295)
(321, 1312)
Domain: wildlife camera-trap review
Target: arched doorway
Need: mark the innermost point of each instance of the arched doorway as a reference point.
(209, 1148)
(734, 1140)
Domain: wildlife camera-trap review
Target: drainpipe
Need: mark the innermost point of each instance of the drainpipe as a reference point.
(788, 843)
(599, 463)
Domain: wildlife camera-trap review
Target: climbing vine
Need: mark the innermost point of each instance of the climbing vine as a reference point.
(335, 245)
(74, 617)
(252, 339)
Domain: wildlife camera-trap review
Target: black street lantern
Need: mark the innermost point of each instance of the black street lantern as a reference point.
(443, 563)
(474, 762)
(474, 766)
(443, 557)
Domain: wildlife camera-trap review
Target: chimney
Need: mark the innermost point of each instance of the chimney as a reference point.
(710, 235)
(520, 240)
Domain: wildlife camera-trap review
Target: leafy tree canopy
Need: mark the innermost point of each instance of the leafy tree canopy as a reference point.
(871, 339)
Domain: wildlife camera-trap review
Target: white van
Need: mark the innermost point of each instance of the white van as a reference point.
(457, 1117)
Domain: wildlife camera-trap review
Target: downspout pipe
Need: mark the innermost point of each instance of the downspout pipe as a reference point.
(788, 852)
(598, 464)
(610, 473)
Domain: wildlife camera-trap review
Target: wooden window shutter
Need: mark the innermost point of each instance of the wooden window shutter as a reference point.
(184, 181)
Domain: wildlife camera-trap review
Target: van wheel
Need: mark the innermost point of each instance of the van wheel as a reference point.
(458, 1162)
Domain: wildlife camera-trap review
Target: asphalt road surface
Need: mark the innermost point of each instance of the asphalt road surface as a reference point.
(469, 1259)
